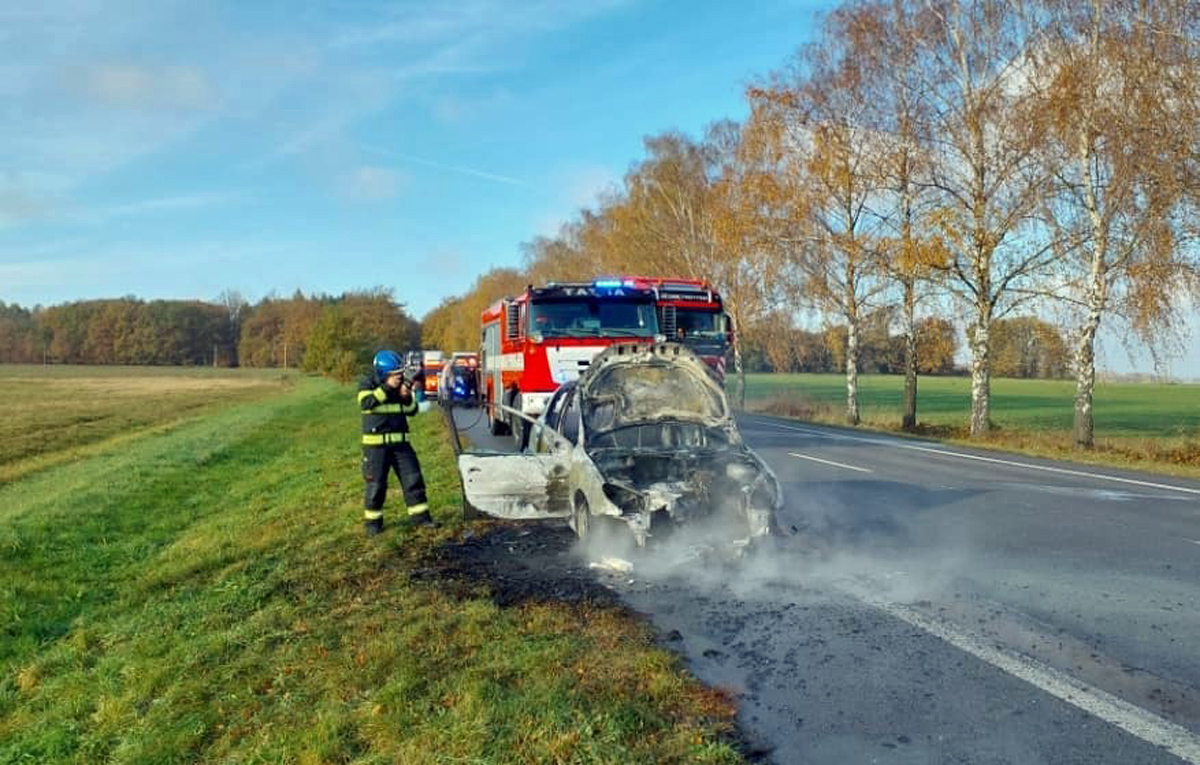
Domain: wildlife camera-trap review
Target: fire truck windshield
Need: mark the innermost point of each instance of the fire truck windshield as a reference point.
(699, 322)
(593, 317)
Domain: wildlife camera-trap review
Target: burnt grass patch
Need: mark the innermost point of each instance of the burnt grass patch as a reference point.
(524, 562)
(516, 562)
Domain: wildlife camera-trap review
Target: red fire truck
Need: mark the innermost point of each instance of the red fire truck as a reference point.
(431, 366)
(545, 336)
(690, 311)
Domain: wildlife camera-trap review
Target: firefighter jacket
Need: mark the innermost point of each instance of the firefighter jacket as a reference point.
(385, 412)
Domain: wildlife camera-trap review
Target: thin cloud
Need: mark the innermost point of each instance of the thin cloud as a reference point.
(425, 24)
(175, 202)
(123, 85)
(18, 206)
(454, 110)
(463, 170)
(507, 180)
(369, 183)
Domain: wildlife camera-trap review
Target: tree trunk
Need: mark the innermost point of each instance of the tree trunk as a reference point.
(981, 376)
(740, 370)
(1083, 428)
(852, 372)
(1085, 384)
(909, 422)
(1085, 356)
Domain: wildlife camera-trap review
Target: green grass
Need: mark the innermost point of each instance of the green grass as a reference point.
(203, 592)
(50, 415)
(1145, 425)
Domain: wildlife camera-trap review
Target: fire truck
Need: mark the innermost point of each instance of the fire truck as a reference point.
(431, 366)
(690, 311)
(535, 341)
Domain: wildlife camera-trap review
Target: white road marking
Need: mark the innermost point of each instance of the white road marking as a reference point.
(829, 462)
(1195, 541)
(960, 455)
(1130, 718)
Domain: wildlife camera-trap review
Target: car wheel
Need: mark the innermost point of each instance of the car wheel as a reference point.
(581, 516)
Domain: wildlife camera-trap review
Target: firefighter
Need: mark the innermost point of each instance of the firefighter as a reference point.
(387, 399)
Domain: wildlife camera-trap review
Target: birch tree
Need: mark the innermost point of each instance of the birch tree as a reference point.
(882, 39)
(810, 123)
(1118, 79)
(987, 180)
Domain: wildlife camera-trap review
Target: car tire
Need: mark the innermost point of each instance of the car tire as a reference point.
(581, 516)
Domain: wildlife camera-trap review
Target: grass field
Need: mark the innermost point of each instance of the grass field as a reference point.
(1152, 426)
(51, 415)
(193, 586)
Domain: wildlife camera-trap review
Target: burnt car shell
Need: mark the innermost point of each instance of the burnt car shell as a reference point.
(652, 445)
(658, 428)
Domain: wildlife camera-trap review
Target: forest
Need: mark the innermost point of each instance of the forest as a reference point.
(316, 333)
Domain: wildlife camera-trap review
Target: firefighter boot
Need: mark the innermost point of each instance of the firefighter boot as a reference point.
(373, 526)
(422, 518)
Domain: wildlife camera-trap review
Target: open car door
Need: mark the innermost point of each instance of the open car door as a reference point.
(515, 486)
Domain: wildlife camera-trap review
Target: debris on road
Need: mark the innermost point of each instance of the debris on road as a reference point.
(611, 563)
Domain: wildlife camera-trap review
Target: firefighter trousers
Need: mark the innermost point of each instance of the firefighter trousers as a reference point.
(400, 458)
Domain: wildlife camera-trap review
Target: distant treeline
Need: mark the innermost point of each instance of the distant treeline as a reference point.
(1023, 347)
(318, 333)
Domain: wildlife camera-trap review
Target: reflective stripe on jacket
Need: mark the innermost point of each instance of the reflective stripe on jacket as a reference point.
(384, 412)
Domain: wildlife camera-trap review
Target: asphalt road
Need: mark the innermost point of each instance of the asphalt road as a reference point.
(939, 604)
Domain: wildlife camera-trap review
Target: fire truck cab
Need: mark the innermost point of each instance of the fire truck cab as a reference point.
(690, 311)
(535, 341)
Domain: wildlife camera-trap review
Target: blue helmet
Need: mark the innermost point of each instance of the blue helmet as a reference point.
(387, 362)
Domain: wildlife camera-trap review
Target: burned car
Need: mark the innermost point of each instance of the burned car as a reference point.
(643, 438)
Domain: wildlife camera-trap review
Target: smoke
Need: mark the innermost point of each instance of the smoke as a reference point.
(822, 545)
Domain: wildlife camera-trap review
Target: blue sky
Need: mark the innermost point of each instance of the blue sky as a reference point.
(172, 149)
(177, 149)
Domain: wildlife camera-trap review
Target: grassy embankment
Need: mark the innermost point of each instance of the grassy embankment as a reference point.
(1138, 425)
(191, 584)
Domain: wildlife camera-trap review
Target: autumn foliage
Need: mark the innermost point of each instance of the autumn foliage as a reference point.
(331, 335)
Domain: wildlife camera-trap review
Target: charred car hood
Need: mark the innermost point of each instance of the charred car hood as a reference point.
(635, 384)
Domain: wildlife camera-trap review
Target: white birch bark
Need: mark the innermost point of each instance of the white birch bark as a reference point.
(852, 371)
(981, 374)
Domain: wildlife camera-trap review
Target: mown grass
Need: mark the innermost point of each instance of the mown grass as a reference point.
(204, 594)
(51, 415)
(1143, 425)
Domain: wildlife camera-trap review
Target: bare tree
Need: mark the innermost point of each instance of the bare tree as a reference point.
(236, 307)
